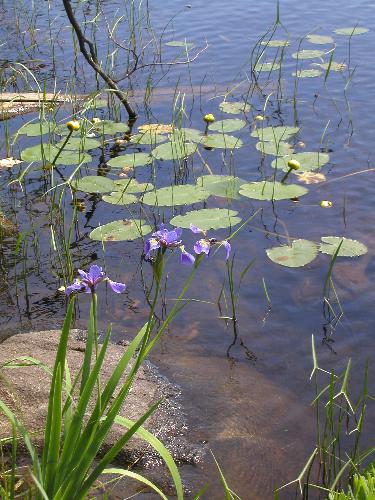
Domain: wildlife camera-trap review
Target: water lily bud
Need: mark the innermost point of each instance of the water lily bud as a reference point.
(259, 118)
(294, 164)
(209, 118)
(96, 120)
(73, 125)
(326, 204)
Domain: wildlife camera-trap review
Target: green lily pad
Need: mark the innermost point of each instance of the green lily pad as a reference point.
(180, 43)
(119, 198)
(229, 125)
(48, 152)
(224, 141)
(267, 66)
(307, 73)
(274, 148)
(186, 135)
(300, 253)
(320, 39)
(349, 248)
(333, 66)
(225, 186)
(274, 134)
(133, 186)
(308, 54)
(234, 108)
(276, 43)
(94, 184)
(80, 144)
(130, 160)
(174, 150)
(265, 190)
(148, 137)
(109, 127)
(36, 129)
(170, 196)
(308, 160)
(207, 218)
(355, 30)
(121, 230)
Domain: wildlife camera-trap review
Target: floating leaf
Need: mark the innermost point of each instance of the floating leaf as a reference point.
(80, 144)
(174, 150)
(225, 186)
(300, 253)
(234, 108)
(186, 135)
(320, 39)
(170, 196)
(94, 184)
(308, 160)
(119, 198)
(276, 43)
(355, 30)
(121, 230)
(310, 177)
(274, 148)
(349, 248)
(158, 128)
(229, 125)
(149, 137)
(37, 129)
(133, 186)
(180, 43)
(308, 54)
(48, 152)
(109, 127)
(130, 160)
(333, 66)
(207, 218)
(307, 73)
(9, 162)
(265, 190)
(274, 134)
(224, 141)
(267, 66)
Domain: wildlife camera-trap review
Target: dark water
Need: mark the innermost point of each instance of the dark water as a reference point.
(252, 408)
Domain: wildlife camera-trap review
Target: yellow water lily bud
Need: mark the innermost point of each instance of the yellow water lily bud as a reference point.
(73, 125)
(209, 118)
(259, 118)
(326, 204)
(96, 120)
(294, 164)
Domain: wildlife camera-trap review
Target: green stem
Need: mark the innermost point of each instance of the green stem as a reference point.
(286, 176)
(62, 147)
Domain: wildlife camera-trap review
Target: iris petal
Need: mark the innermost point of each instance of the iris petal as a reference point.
(117, 287)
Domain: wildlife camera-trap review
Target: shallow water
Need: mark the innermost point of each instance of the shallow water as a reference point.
(253, 407)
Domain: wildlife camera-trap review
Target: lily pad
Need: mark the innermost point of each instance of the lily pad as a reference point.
(300, 253)
(225, 186)
(175, 150)
(267, 66)
(333, 66)
(265, 190)
(274, 148)
(121, 230)
(36, 129)
(234, 108)
(170, 196)
(180, 43)
(274, 134)
(94, 184)
(224, 141)
(158, 128)
(186, 135)
(133, 186)
(319, 39)
(308, 160)
(130, 160)
(308, 54)
(207, 218)
(307, 73)
(109, 127)
(229, 125)
(48, 152)
(148, 137)
(119, 198)
(349, 248)
(276, 43)
(355, 30)
(79, 144)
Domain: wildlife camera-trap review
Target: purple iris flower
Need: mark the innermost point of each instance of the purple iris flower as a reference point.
(163, 239)
(88, 281)
(204, 244)
(186, 257)
(195, 229)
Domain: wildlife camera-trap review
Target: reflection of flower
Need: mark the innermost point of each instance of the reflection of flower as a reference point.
(167, 239)
(204, 244)
(88, 281)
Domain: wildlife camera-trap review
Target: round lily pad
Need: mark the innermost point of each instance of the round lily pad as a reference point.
(300, 253)
(333, 66)
(225, 186)
(36, 129)
(94, 184)
(224, 141)
(308, 161)
(267, 66)
(170, 196)
(307, 73)
(121, 230)
(109, 127)
(119, 198)
(234, 108)
(207, 218)
(319, 39)
(349, 248)
(274, 148)
(274, 134)
(355, 30)
(228, 125)
(175, 150)
(79, 144)
(265, 190)
(133, 186)
(186, 135)
(308, 54)
(130, 160)
(147, 137)
(48, 152)
(276, 43)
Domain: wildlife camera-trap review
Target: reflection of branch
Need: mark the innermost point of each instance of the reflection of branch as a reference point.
(91, 58)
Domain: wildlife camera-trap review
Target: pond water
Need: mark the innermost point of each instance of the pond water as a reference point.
(253, 406)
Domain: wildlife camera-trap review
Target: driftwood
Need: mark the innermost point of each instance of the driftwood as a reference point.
(38, 97)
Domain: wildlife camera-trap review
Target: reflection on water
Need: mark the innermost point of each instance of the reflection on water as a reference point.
(252, 406)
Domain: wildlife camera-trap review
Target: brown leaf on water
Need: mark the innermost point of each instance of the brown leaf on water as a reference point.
(9, 162)
(311, 177)
(159, 128)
